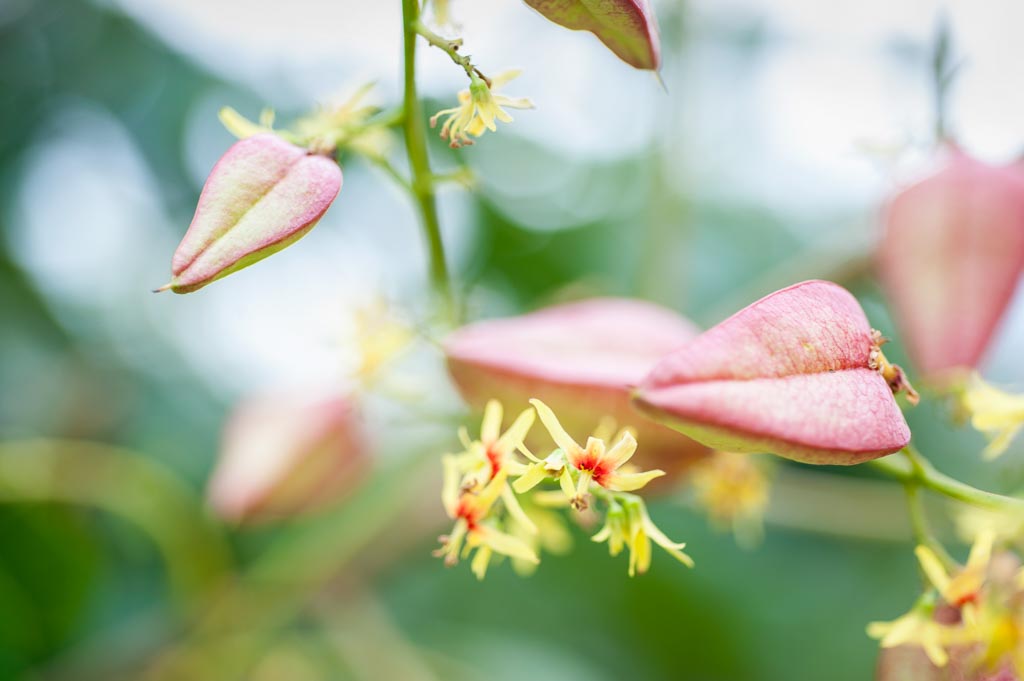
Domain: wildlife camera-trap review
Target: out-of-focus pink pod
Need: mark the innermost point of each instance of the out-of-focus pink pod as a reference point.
(790, 374)
(627, 27)
(581, 359)
(910, 663)
(286, 454)
(950, 260)
(263, 195)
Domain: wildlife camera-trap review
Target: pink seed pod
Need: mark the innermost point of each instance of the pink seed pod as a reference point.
(286, 454)
(581, 359)
(627, 27)
(263, 195)
(791, 374)
(907, 663)
(910, 663)
(950, 260)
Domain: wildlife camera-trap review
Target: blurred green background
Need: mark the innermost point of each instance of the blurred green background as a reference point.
(703, 198)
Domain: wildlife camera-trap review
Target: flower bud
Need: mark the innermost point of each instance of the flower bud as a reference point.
(286, 454)
(581, 359)
(796, 374)
(950, 259)
(627, 27)
(264, 194)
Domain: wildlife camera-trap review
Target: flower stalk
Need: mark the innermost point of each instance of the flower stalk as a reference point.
(912, 467)
(422, 182)
(451, 48)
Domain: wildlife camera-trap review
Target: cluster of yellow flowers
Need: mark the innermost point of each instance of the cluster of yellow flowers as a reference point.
(333, 126)
(495, 515)
(972, 612)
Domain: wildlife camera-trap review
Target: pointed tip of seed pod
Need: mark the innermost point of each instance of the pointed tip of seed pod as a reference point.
(165, 287)
(661, 81)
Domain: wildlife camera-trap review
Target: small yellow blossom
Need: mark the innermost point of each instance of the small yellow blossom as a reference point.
(1006, 525)
(470, 510)
(962, 588)
(380, 337)
(325, 129)
(441, 12)
(478, 108)
(734, 491)
(917, 627)
(996, 413)
(628, 525)
(494, 450)
(596, 461)
(474, 480)
(999, 630)
(241, 127)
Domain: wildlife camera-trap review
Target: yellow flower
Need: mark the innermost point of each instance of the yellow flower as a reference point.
(962, 588)
(473, 481)
(1006, 526)
(380, 338)
(917, 627)
(998, 414)
(494, 451)
(323, 130)
(441, 12)
(478, 108)
(472, 529)
(734, 491)
(595, 461)
(999, 629)
(628, 525)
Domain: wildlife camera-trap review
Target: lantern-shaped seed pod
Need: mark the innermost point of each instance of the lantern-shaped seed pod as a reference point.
(798, 374)
(263, 195)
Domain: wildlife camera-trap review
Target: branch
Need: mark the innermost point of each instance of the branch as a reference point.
(914, 468)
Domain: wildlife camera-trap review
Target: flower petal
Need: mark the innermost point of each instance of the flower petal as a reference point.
(621, 452)
(628, 482)
(505, 544)
(558, 434)
(514, 436)
(490, 427)
(516, 511)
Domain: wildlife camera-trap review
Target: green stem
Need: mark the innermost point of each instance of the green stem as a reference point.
(913, 467)
(419, 162)
(392, 172)
(942, 76)
(389, 118)
(919, 521)
(451, 48)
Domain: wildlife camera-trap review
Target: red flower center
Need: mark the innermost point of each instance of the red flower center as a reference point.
(591, 464)
(494, 458)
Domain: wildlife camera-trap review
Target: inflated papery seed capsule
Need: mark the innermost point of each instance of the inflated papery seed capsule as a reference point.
(795, 374)
(286, 454)
(581, 359)
(627, 27)
(264, 194)
(951, 258)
